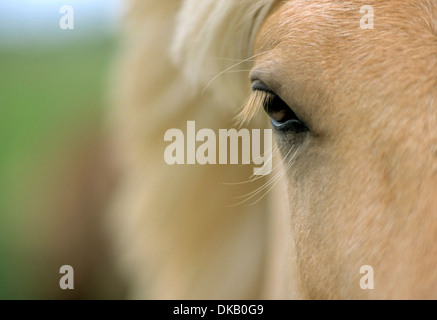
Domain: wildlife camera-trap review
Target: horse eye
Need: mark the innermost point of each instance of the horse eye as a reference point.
(283, 118)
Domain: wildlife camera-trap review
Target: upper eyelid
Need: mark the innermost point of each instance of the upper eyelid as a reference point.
(256, 74)
(258, 85)
(278, 90)
(265, 79)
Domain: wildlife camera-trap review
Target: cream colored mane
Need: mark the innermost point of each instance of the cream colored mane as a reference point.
(176, 233)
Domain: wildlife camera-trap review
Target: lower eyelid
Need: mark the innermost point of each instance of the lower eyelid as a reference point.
(291, 126)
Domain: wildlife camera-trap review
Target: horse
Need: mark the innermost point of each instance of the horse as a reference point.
(349, 89)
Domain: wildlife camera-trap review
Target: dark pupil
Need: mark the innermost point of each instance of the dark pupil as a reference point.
(282, 117)
(278, 110)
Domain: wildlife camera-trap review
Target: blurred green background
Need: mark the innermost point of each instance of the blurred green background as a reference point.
(52, 113)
